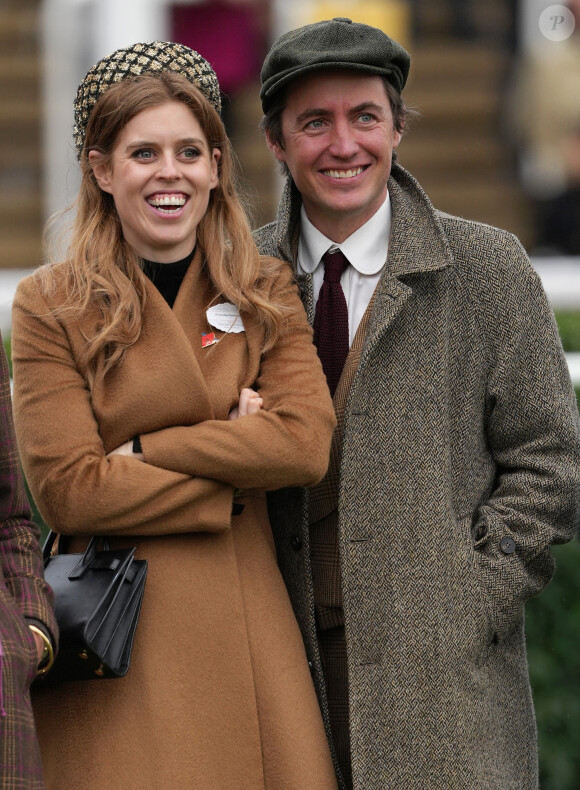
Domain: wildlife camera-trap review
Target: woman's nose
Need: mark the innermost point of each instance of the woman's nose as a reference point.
(168, 167)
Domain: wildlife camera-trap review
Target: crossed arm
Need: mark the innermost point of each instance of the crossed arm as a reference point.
(250, 403)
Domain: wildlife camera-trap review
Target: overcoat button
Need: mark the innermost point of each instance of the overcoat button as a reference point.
(480, 532)
(296, 542)
(507, 545)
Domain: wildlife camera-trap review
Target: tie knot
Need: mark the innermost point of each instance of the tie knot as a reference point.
(334, 265)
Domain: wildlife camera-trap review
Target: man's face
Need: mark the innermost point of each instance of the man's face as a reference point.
(337, 141)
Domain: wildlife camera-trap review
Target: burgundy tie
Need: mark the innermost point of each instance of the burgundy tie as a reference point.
(331, 319)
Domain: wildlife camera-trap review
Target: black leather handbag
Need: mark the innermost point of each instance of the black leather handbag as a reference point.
(98, 598)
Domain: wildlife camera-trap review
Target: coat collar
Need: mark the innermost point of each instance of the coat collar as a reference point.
(417, 243)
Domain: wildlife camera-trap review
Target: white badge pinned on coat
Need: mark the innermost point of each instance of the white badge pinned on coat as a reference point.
(225, 317)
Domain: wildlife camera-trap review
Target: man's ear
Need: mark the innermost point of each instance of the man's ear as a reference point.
(101, 170)
(276, 148)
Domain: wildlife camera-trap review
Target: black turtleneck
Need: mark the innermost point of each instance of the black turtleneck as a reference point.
(167, 277)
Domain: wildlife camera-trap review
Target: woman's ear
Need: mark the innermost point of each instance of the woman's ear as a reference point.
(101, 170)
(215, 157)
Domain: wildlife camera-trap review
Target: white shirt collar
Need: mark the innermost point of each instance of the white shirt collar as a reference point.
(366, 248)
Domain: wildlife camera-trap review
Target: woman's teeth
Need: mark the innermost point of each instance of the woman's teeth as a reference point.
(167, 201)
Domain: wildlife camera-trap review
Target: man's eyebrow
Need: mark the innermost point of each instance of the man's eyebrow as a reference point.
(323, 111)
(369, 105)
(310, 112)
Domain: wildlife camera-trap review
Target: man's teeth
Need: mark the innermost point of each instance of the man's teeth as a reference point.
(344, 173)
(167, 200)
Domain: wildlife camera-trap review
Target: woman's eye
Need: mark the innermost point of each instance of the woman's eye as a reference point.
(143, 153)
(190, 153)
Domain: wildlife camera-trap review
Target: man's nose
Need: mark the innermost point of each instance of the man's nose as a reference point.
(344, 142)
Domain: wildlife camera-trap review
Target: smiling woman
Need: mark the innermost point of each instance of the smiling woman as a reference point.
(164, 378)
(160, 174)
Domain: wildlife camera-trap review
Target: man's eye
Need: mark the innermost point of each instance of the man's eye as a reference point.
(366, 117)
(316, 124)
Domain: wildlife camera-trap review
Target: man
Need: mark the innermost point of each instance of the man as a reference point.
(28, 628)
(455, 462)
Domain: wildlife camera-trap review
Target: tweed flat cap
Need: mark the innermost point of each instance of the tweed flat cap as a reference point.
(152, 58)
(338, 43)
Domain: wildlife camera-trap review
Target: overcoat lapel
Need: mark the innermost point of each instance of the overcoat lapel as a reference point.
(172, 384)
(178, 329)
(323, 498)
(428, 251)
(241, 352)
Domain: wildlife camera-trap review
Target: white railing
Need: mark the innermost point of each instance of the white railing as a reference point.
(560, 277)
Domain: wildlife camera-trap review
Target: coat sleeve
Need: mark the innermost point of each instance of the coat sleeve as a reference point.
(532, 430)
(20, 555)
(77, 489)
(287, 443)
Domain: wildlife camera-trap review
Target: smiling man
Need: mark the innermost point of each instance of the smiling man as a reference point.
(455, 462)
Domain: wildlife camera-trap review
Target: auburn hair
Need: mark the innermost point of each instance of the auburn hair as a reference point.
(105, 273)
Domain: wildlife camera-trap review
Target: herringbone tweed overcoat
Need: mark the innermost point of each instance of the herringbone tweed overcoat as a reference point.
(219, 695)
(460, 466)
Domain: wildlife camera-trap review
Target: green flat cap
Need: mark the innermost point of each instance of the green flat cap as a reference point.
(338, 43)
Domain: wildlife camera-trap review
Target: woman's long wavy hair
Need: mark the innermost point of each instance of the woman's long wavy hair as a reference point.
(104, 272)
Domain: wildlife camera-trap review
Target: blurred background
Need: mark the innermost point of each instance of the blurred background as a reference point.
(497, 139)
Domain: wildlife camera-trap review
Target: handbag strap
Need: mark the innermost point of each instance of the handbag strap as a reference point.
(86, 559)
(48, 544)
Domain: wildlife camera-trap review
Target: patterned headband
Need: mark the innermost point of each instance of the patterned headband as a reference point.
(134, 61)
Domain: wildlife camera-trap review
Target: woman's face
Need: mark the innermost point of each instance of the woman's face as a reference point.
(160, 175)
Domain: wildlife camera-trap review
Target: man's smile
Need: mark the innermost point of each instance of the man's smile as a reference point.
(344, 173)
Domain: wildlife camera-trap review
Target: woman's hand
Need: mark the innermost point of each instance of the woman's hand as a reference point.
(127, 449)
(250, 402)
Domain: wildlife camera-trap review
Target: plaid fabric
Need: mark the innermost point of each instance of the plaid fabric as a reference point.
(332, 643)
(23, 594)
(323, 502)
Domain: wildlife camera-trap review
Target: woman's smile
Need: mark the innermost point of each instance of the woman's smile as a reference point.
(168, 203)
(161, 175)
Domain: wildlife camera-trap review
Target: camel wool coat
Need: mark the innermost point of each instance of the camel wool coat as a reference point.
(460, 467)
(219, 694)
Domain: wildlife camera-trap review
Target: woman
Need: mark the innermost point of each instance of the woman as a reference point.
(122, 396)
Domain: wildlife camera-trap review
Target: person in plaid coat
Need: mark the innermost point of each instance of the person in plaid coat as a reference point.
(28, 629)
